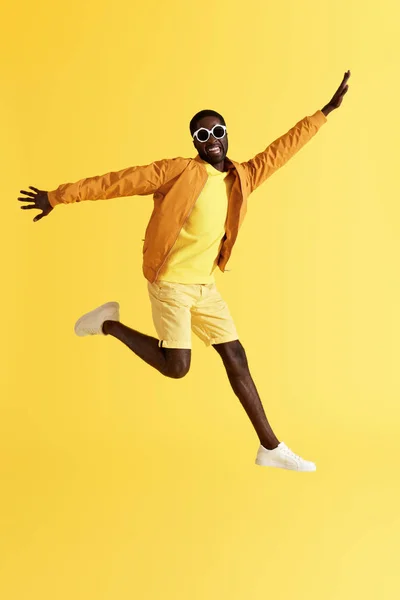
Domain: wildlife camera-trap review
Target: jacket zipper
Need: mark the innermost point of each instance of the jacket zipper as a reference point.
(186, 218)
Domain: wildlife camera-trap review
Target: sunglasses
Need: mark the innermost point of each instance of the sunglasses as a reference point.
(203, 134)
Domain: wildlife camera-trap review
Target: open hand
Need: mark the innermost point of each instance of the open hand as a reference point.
(337, 98)
(39, 200)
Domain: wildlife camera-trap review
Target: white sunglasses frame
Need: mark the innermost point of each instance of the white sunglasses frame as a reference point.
(210, 133)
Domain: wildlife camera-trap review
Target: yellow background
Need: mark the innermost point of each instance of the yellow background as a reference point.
(117, 483)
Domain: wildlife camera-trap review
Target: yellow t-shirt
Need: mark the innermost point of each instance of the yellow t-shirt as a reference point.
(193, 257)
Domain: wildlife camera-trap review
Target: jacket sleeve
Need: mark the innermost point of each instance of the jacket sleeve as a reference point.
(133, 181)
(264, 164)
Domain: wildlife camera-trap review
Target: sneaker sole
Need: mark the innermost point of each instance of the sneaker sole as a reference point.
(279, 466)
(110, 308)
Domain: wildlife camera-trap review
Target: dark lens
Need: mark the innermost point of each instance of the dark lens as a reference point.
(202, 135)
(218, 132)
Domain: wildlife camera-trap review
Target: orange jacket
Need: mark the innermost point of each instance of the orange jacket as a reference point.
(176, 184)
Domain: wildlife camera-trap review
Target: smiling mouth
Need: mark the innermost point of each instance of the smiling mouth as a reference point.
(213, 149)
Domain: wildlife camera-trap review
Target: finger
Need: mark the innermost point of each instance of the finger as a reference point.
(345, 79)
(30, 206)
(31, 194)
(33, 188)
(26, 199)
(38, 217)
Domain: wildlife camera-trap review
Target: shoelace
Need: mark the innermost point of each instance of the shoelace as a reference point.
(289, 452)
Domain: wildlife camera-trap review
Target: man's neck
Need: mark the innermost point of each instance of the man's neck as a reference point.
(219, 166)
(222, 166)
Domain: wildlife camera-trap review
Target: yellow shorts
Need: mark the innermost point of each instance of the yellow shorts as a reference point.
(179, 308)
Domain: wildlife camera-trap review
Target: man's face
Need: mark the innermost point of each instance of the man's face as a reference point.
(213, 150)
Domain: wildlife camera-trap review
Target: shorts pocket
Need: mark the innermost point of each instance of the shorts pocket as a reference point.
(164, 290)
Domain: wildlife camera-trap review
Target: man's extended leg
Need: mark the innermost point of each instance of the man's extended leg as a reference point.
(271, 452)
(172, 362)
(104, 320)
(234, 358)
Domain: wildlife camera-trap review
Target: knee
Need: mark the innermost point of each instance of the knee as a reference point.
(233, 356)
(177, 369)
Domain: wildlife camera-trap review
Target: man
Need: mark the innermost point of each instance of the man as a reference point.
(199, 206)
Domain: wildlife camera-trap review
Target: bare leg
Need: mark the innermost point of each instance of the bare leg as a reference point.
(234, 358)
(170, 362)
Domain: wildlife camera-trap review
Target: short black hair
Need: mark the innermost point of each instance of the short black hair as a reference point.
(200, 115)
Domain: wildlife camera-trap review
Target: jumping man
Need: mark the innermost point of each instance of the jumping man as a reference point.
(199, 206)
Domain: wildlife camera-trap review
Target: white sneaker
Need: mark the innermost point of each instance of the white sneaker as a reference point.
(91, 323)
(282, 457)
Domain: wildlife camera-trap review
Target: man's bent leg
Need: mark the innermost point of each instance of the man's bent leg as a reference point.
(172, 362)
(234, 358)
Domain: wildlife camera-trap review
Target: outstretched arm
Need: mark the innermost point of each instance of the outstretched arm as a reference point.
(277, 154)
(133, 181)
